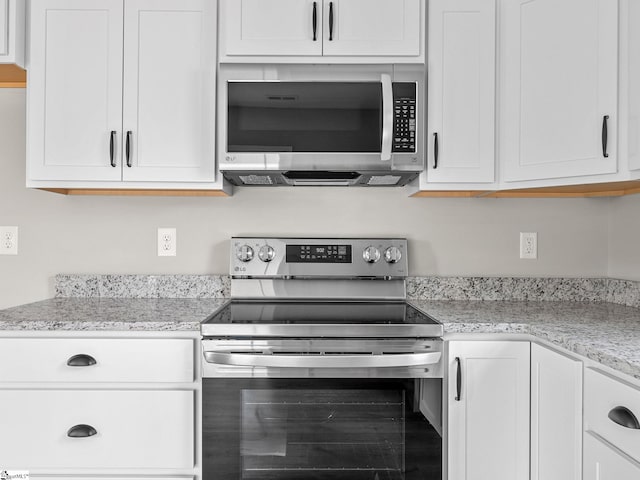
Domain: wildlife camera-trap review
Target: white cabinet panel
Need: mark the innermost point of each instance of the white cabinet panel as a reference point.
(461, 97)
(372, 27)
(75, 89)
(634, 84)
(556, 416)
(134, 429)
(271, 27)
(45, 360)
(602, 462)
(488, 416)
(559, 84)
(4, 27)
(169, 108)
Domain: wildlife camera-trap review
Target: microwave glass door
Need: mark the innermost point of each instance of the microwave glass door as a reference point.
(304, 117)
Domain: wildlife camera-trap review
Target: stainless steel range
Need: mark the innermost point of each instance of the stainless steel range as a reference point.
(317, 366)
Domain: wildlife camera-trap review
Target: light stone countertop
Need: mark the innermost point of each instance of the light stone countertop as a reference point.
(604, 332)
(100, 314)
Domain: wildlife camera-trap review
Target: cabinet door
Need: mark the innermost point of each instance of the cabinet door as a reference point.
(488, 416)
(461, 91)
(169, 89)
(560, 85)
(556, 416)
(603, 462)
(271, 27)
(634, 84)
(372, 27)
(75, 90)
(4, 27)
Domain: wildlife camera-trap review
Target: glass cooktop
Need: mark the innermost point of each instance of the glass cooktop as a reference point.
(345, 319)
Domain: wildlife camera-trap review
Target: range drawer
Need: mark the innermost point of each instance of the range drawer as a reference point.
(133, 429)
(116, 360)
(604, 394)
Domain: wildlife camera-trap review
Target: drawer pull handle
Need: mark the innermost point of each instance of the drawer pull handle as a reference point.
(624, 417)
(81, 360)
(81, 431)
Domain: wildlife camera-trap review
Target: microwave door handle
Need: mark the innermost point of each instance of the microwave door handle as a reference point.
(323, 361)
(387, 117)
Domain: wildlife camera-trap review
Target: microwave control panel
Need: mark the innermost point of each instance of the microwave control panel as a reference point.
(404, 117)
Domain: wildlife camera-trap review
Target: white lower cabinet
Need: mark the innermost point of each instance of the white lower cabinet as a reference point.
(603, 462)
(100, 404)
(556, 415)
(488, 410)
(97, 429)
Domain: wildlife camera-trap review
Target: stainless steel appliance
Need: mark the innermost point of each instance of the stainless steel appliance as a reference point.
(314, 369)
(336, 125)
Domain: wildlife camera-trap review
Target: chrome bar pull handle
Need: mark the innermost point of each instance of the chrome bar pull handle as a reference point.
(436, 148)
(128, 148)
(331, 21)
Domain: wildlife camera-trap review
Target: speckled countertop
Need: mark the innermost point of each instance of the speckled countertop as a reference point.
(96, 314)
(604, 332)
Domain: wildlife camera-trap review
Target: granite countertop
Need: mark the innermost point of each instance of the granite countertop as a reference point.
(96, 314)
(604, 332)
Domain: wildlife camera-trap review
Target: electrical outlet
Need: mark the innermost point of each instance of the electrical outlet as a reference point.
(8, 240)
(529, 245)
(166, 242)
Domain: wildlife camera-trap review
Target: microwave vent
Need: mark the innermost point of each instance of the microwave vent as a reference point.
(379, 180)
(256, 179)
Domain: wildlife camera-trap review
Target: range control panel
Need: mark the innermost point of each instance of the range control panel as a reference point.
(404, 117)
(318, 257)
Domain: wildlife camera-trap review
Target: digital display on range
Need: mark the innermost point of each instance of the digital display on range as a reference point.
(318, 253)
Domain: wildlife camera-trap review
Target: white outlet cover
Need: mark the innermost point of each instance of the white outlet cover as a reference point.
(167, 242)
(529, 245)
(8, 240)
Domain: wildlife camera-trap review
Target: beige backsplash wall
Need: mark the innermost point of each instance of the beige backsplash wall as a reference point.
(61, 234)
(624, 238)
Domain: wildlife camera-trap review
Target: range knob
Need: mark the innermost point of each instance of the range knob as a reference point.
(266, 253)
(244, 253)
(371, 254)
(392, 255)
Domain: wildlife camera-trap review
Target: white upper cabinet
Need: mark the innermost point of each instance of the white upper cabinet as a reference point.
(294, 29)
(112, 100)
(461, 100)
(372, 27)
(12, 31)
(169, 94)
(633, 29)
(75, 90)
(488, 410)
(560, 88)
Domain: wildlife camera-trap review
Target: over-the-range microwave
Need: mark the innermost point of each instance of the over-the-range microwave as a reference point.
(321, 125)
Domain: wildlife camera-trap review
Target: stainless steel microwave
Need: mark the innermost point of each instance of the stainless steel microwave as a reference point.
(321, 125)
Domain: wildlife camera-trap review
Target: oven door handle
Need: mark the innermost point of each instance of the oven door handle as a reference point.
(323, 361)
(387, 117)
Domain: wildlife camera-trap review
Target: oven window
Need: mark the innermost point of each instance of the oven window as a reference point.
(316, 429)
(304, 117)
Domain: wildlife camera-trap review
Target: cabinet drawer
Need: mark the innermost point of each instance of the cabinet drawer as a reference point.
(133, 429)
(603, 394)
(116, 360)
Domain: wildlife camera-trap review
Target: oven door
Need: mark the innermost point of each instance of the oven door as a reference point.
(317, 429)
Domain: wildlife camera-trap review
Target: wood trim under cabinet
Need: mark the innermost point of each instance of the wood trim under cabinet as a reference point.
(12, 76)
(613, 189)
(138, 193)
